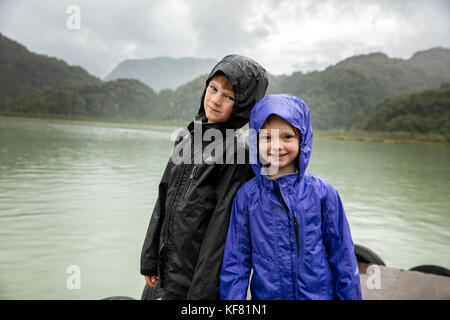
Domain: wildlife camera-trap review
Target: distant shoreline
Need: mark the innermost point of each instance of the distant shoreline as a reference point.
(111, 123)
(362, 136)
(383, 140)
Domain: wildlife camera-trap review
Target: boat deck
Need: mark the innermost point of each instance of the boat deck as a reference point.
(385, 283)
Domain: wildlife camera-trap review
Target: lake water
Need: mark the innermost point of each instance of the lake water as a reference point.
(82, 194)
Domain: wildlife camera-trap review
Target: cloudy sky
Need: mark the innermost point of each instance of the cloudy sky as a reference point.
(283, 36)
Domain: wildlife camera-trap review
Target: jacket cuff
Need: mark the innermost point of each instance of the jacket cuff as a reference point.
(149, 271)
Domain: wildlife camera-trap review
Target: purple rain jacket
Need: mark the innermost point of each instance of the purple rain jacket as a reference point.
(292, 230)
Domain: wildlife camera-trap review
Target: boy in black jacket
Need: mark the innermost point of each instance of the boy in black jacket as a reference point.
(183, 248)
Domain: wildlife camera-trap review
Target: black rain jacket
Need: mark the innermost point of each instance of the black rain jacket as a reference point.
(186, 236)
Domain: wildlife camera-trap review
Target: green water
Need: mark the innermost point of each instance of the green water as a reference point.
(82, 194)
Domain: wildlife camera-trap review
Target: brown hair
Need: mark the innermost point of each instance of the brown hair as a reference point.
(222, 79)
(296, 131)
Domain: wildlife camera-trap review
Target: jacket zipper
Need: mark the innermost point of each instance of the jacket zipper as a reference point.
(296, 238)
(191, 180)
(296, 232)
(295, 223)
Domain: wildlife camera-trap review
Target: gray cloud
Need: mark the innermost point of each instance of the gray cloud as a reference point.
(282, 35)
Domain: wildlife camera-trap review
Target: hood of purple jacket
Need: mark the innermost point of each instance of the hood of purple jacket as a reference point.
(294, 111)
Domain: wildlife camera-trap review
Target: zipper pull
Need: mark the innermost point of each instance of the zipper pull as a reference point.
(193, 171)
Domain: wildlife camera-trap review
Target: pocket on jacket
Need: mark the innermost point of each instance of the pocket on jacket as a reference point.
(265, 284)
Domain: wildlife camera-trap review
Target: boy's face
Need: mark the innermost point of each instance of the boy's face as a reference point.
(279, 146)
(218, 102)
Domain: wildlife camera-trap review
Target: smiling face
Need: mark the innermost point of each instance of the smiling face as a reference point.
(278, 146)
(219, 99)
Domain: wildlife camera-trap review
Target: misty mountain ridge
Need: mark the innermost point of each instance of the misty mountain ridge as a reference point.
(339, 97)
(23, 72)
(431, 67)
(162, 72)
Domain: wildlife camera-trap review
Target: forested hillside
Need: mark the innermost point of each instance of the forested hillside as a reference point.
(162, 72)
(425, 113)
(369, 93)
(122, 100)
(338, 94)
(23, 72)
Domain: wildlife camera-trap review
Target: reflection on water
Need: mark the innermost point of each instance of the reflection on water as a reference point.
(82, 194)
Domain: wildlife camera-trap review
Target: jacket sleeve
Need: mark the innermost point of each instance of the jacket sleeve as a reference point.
(205, 282)
(340, 248)
(150, 248)
(236, 263)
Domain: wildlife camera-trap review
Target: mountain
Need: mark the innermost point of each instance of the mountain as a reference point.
(183, 102)
(358, 93)
(424, 69)
(119, 100)
(426, 112)
(433, 65)
(23, 72)
(339, 94)
(37, 85)
(162, 72)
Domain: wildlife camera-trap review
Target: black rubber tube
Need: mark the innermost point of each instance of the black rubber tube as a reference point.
(118, 298)
(431, 269)
(364, 254)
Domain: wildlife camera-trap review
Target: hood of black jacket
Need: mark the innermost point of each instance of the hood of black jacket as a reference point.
(249, 82)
